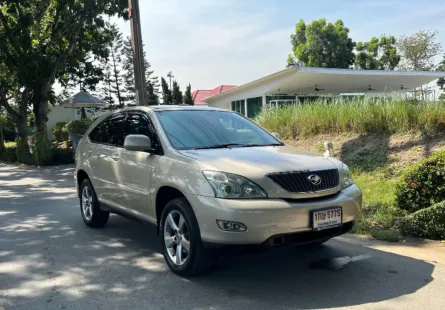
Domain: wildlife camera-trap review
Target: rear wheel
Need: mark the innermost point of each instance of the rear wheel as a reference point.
(181, 238)
(92, 215)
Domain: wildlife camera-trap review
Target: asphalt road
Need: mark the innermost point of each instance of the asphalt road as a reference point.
(50, 260)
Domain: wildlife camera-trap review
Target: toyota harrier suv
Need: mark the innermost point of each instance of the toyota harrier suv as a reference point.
(210, 178)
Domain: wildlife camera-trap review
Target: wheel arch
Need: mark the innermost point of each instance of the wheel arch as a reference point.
(165, 194)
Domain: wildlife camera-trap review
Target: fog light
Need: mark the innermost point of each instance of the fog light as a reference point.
(231, 226)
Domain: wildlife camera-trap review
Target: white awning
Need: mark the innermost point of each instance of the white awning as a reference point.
(307, 80)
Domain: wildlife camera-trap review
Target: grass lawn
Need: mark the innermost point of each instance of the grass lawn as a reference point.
(379, 212)
(377, 162)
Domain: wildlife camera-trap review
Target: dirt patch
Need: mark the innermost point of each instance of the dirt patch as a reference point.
(368, 152)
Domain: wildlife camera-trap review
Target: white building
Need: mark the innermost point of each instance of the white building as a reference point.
(296, 82)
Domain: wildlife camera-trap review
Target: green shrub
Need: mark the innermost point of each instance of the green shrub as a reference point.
(426, 223)
(79, 127)
(60, 132)
(8, 155)
(422, 185)
(62, 156)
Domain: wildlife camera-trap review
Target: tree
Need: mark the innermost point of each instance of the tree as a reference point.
(15, 102)
(322, 44)
(377, 54)
(176, 93)
(166, 92)
(115, 59)
(441, 81)
(419, 50)
(149, 77)
(152, 81)
(129, 82)
(152, 97)
(188, 99)
(106, 90)
(43, 40)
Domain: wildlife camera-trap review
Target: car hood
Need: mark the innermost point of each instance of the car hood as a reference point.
(254, 162)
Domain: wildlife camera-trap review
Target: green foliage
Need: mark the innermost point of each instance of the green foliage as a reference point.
(176, 93)
(151, 80)
(426, 223)
(42, 149)
(390, 235)
(152, 98)
(419, 50)
(60, 132)
(22, 152)
(8, 155)
(361, 115)
(46, 41)
(128, 66)
(61, 156)
(377, 54)
(188, 99)
(322, 44)
(441, 81)
(78, 127)
(423, 184)
(166, 92)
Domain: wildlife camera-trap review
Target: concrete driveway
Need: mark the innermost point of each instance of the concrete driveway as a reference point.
(50, 260)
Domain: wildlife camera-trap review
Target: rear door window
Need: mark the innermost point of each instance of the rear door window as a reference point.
(110, 131)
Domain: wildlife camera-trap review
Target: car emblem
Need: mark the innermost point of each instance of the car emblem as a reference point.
(314, 179)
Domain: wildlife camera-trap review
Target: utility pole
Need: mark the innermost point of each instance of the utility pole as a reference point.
(138, 52)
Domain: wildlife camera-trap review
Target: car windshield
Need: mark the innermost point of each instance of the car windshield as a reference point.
(207, 129)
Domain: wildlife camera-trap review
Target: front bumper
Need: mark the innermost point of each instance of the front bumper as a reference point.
(269, 217)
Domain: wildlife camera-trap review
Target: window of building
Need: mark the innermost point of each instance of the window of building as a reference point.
(239, 106)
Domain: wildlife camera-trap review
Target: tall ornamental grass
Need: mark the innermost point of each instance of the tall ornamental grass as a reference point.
(364, 115)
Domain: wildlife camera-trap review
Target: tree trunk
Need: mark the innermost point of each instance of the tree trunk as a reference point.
(2, 139)
(22, 150)
(42, 147)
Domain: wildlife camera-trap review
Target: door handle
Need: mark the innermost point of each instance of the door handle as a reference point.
(116, 157)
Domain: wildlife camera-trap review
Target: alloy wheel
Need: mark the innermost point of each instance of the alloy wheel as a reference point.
(176, 238)
(87, 203)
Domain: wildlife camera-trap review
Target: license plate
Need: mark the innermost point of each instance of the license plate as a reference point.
(327, 218)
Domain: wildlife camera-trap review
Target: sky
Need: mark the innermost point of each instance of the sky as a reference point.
(212, 42)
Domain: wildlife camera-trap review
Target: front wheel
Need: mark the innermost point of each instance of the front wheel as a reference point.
(181, 238)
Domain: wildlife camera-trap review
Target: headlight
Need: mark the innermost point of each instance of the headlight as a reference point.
(232, 186)
(345, 177)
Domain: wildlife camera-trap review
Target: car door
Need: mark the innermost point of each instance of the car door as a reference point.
(108, 140)
(136, 168)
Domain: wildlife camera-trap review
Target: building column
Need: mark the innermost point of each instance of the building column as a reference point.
(264, 101)
(245, 107)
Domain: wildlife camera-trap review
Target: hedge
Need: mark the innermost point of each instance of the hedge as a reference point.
(60, 132)
(427, 223)
(78, 126)
(422, 185)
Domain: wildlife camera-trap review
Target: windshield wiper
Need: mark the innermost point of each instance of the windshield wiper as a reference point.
(253, 145)
(219, 146)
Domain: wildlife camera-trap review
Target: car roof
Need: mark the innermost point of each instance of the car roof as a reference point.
(184, 107)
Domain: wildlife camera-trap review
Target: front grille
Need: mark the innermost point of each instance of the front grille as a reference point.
(298, 182)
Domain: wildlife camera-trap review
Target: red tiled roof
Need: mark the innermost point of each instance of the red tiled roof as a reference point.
(199, 95)
(221, 88)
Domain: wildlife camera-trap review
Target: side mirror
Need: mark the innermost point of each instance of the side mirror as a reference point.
(328, 146)
(276, 135)
(138, 143)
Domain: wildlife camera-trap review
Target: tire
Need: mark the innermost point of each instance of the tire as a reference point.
(92, 215)
(176, 236)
